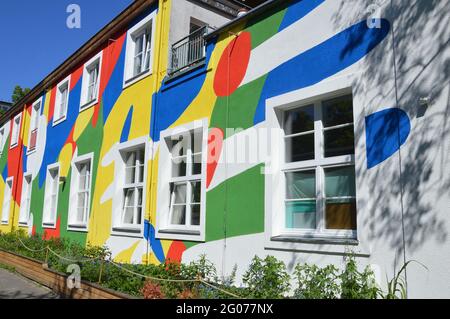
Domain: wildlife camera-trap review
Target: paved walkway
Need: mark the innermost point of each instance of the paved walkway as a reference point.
(14, 286)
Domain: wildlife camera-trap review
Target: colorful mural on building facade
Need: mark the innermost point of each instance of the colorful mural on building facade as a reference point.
(255, 61)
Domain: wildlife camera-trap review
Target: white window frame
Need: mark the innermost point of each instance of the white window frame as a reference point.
(15, 131)
(7, 200)
(46, 222)
(275, 235)
(34, 120)
(84, 103)
(118, 228)
(25, 199)
(164, 229)
(129, 78)
(59, 101)
(74, 189)
(2, 139)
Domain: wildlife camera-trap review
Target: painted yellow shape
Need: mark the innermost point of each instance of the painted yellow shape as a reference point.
(138, 96)
(125, 255)
(26, 127)
(82, 122)
(203, 104)
(65, 158)
(47, 104)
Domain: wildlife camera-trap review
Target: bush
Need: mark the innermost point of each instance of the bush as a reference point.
(152, 290)
(355, 284)
(316, 283)
(266, 278)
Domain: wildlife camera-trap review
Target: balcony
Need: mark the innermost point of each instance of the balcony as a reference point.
(188, 52)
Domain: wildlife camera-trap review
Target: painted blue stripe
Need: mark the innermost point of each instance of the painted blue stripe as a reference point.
(297, 10)
(321, 61)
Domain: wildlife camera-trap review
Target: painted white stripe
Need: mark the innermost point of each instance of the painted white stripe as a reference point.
(315, 28)
(241, 152)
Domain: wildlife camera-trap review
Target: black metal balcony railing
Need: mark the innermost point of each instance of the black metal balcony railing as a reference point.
(188, 51)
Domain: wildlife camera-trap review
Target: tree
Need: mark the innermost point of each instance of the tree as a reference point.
(19, 93)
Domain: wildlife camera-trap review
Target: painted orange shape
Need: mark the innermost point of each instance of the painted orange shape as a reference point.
(233, 65)
(215, 142)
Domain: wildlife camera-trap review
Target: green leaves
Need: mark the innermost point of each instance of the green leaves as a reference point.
(267, 278)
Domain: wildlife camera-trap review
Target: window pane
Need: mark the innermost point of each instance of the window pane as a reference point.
(340, 214)
(128, 215)
(179, 192)
(130, 159)
(196, 194)
(197, 164)
(339, 141)
(137, 64)
(301, 184)
(299, 120)
(179, 167)
(197, 137)
(340, 181)
(195, 214)
(301, 214)
(130, 173)
(299, 148)
(178, 215)
(178, 145)
(337, 111)
(129, 197)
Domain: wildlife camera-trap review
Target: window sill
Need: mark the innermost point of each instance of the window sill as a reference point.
(49, 225)
(77, 227)
(23, 224)
(4, 223)
(127, 232)
(316, 240)
(29, 152)
(13, 146)
(88, 105)
(129, 82)
(180, 234)
(58, 121)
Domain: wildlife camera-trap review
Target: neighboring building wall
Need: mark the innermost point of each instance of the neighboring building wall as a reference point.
(182, 12)
(299, 51)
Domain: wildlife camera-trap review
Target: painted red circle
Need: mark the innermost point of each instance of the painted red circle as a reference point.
(233, 65)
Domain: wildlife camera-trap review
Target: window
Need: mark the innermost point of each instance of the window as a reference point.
(80, 194)
(34, 125)
(25, 200)
(16, 130)
(139, 52)
(181, 192)
(91, 82)
(7, 197)
(317, 169)
(62, 101)
(51, 196)
(2, 139)
(132, 188)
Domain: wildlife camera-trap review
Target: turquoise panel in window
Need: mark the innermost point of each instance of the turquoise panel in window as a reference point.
(301, 184)
(340, 181)
(301, 215)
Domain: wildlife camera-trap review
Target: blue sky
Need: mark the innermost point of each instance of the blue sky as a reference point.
(34, 38)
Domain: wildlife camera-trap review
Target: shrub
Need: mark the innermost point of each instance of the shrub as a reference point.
(152, 290)
(315, 282)
(266, 278)
(355, 284)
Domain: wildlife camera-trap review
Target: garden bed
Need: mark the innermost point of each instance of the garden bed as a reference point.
(38, 272)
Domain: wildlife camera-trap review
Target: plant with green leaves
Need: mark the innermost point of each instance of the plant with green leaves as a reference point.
(356, 284)
(316, 283)
(396, 287)
(266, 278)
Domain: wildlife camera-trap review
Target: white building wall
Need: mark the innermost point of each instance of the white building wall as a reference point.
(404, 202)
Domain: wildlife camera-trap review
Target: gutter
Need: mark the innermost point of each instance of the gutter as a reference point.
(81, 55)
(262, 8)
